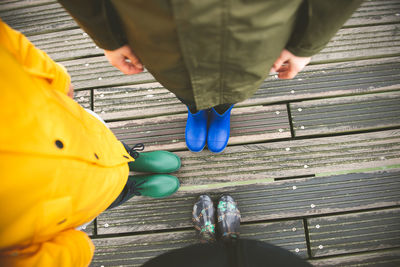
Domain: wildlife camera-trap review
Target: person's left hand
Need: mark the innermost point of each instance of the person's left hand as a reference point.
(124, 59)
(288, 65)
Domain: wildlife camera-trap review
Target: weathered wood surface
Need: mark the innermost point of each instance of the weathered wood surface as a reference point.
(291, 158)
(382, 258)
(38, 19)
(347, 183)
(136, 101)
(362, 42)
(27, 20)
(67, 45)
(134, 250)
(7, 5)
(261, 201)
(354, 232)
(88, 229)
(346, 114)
(316, 81)
(334, 79)
(349, 43)
(249, 125)
(83, 98)
(97, 72)
(374, 12)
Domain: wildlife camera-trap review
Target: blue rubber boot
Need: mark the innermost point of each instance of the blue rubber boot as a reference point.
(196, 130)
(218, 130)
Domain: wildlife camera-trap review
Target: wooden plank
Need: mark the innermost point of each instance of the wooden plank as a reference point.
(7, 5)
(346, 114)
(66, 45)
(136, 101)
(335, 79)
(255, 124)
(361, 42)
(354, 232)
(260, 200)
(287, 234)
(88, 229)
(137, 249)
(383, 258)
(348, 44)
(151, 99)
(375, 12)
(97, 72)
(83, 98)
(20, 15)
(33, 20)
(291, 158)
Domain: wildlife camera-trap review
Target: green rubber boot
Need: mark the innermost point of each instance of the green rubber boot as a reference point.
(155, 186)
(156, 162)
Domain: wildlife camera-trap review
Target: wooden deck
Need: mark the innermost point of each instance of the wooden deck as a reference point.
(313, 162)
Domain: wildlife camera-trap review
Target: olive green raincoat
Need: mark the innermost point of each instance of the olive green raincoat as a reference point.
(211, 52)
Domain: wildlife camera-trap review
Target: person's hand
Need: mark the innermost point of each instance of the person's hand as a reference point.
(71, 91)
(124, 59)
(288, 65)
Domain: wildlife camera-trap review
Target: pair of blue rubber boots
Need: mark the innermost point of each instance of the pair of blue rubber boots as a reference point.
(208, 126)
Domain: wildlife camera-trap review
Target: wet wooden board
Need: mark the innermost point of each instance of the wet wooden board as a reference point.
(346, 114)
(138, 108)
(383, 258)
(248, 125)
(288, 234)
(352, 43)
(362, 42)
(83, 98)
(7, 5)
(136, 101)
(95, 72)
(260, 201)
(137, 249)
(291, 158)
(67, 45)
(88, 229)
(23, 15)
(151, 99)
(335, 79)
(38, 19)
(354, 232)
(372, 12)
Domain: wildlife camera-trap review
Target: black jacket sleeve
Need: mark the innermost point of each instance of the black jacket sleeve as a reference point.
(99, 20)
(318, 21)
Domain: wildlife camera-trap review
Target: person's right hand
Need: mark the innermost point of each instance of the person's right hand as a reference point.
(288, 65)
(124, 59)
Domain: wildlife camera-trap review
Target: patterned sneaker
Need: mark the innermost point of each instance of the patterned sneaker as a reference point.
(228, 218)
(203, 217)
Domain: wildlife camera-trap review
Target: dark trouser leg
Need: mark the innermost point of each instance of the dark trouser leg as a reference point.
(240, 253)
(192, 107)
(222, 108)
(127, 193)
(128, 190)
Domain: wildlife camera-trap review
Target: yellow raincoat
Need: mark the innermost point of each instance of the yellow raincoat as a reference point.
(59, 166)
